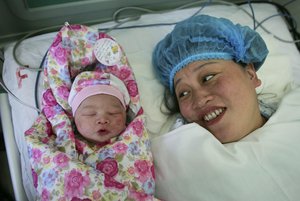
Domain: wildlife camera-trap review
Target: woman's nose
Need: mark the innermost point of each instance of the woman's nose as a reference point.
(201, 98)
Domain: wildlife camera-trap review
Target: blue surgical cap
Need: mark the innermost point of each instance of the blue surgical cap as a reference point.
(205, 37)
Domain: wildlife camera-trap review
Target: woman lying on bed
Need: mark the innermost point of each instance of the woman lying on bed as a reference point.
(231, 147)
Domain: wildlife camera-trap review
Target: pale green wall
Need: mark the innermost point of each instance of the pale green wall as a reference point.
(39, 3)
(18, 21)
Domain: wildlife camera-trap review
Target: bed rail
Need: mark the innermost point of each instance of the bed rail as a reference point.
(12, 152)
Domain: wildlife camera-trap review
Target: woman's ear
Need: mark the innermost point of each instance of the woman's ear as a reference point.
(253, 75)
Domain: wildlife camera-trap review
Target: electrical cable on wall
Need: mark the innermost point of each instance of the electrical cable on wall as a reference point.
(290, 21)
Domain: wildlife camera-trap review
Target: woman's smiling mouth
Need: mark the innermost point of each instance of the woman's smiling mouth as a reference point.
(214, 114)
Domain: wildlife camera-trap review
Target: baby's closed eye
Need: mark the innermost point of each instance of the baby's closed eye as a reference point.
(88, 113)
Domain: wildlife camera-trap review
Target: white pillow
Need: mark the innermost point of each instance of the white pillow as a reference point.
(276, 73)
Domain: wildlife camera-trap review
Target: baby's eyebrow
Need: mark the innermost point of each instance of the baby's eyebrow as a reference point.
(195, 69)
(87, 107)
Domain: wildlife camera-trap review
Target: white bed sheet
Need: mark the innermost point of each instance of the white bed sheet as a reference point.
(279, 73)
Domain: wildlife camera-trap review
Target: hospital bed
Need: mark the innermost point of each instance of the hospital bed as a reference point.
(138, 36)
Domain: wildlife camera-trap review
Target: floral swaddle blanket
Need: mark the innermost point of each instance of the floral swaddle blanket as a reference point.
(65, 167)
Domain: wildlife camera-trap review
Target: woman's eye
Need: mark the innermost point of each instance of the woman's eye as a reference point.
(207, 78)
(183, 94)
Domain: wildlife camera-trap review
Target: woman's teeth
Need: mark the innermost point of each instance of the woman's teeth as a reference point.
(212, 115)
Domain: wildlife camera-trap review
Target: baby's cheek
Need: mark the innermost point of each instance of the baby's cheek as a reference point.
(120, 120)
(81, 129)
(84, 126)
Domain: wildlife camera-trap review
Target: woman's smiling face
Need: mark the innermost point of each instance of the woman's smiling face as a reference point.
(220, 96)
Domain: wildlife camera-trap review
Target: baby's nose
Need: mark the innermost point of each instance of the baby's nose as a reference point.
(102, 121)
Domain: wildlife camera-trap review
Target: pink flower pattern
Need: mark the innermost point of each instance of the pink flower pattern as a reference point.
(96, 195)
(120, 148)
(50, 111)
(45, 195)
(139, 196)
(109, 182)
(132, 88)
(124, 73)
(35, 178)
(63, 91)
(75, 183)
(59, 54)
(143, 170)
(36, 155)
(57, 40)
(49, 98)
(108, 166)
(138, 127)
(61, 160)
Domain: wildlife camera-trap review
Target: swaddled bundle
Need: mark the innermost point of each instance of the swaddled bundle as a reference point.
(67, 167)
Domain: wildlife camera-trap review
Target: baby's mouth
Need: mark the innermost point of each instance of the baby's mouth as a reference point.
(103, 132)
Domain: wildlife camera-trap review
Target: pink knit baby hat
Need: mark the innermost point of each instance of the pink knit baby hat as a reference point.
(89, 83)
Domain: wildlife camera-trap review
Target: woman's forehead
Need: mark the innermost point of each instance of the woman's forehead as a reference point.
(195, 66)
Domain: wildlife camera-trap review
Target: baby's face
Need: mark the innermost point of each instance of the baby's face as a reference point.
(100, 118)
